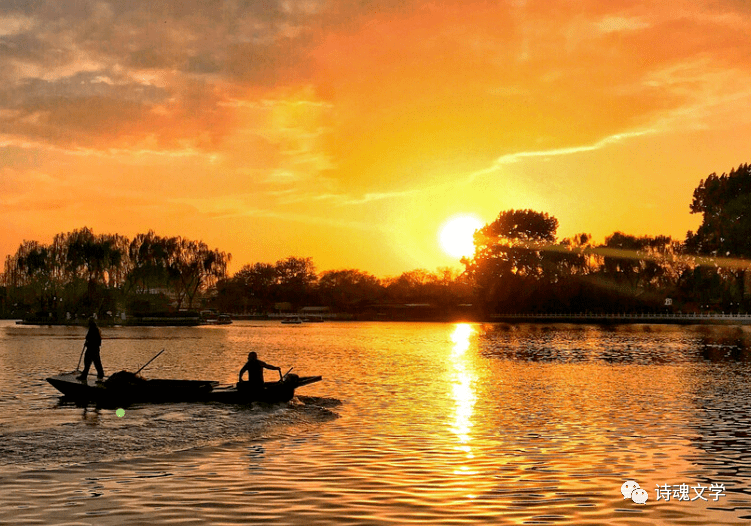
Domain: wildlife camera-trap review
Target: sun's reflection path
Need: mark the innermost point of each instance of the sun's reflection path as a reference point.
(463, 392)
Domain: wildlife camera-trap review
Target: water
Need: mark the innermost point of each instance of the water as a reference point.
(413, 424)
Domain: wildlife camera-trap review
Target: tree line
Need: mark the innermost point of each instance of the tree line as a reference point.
(82, 273)
(519, 265)
(293, 283)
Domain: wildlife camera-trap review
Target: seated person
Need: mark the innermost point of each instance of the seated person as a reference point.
(255, 368)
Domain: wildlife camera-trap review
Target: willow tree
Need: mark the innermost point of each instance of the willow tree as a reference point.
(96, 259)
(196, 268)
(151, 257)
(31, 271)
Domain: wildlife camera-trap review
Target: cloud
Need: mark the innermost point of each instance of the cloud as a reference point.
(168, 67)
(452, 76)
(326, 108)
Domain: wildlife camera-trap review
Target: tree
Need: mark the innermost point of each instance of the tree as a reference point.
(150, 258)
(92, 257)
(197, 268)
(514, 239)
(345, 290)
(296, 279)
(725, 204)
(259, 281)
(509, 257)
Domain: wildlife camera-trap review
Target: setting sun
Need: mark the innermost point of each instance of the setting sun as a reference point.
(456, 235)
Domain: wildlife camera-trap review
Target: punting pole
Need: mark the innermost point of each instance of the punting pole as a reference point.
(147, 363)
(78, 367)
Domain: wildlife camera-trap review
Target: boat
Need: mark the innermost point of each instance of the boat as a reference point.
(209, 317)
(272, 392)
(292, 321)
(125, 388)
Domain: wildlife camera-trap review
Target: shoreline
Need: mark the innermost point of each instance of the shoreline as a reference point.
(574, 318)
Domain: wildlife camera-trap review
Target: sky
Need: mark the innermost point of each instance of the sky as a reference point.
(349, 132)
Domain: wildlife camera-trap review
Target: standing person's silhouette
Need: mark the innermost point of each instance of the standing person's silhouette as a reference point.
(92, 344)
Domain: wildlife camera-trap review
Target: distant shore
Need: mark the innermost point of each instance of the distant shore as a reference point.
(627, 318)
(572, 318)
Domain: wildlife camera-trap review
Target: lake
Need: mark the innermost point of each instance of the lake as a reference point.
(414, 423)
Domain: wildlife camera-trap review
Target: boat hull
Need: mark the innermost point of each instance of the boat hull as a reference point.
(272, 392)
(121, 394)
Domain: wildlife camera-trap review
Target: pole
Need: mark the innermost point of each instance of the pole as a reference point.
(147, 363)
(79, 358)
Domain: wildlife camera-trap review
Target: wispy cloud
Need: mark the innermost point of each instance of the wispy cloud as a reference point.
(511, 158)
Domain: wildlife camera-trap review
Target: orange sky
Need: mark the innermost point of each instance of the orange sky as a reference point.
(349, 134)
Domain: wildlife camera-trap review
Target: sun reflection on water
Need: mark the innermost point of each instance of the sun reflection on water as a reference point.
(463, 391)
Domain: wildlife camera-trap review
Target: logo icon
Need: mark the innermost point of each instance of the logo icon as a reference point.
(631, 490)
(628, 487)
(639, 496)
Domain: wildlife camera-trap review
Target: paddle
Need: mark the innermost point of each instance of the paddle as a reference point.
(147, 363)
(78, 367)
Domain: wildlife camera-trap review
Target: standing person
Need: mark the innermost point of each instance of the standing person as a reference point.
(93, 343)
(255, 368)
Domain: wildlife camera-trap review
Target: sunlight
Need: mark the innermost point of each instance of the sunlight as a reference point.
(460, 337)
(463, 392)
(456, 235)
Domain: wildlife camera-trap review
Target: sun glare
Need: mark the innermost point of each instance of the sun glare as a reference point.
(456, 235)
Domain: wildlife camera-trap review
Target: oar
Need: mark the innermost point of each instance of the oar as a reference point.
(79, 358)
(147, 363)
(285, 374)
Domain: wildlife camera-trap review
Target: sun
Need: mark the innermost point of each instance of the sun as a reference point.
(455, 235)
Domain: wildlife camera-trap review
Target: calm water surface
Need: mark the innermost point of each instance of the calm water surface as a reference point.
(413, 424)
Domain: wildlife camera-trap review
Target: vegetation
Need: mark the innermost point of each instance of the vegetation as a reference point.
(519, 265)
(80, 274)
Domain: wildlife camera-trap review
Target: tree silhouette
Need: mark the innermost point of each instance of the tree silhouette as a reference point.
(509, 257)
(725, 204)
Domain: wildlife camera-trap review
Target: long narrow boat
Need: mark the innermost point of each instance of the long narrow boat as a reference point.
(125, 388)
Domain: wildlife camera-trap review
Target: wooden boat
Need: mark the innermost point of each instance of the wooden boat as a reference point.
(272, 392)
(292, 320)
(125, 388)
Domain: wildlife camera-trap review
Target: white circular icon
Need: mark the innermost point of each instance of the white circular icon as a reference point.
(628, 487)
(639, 496)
